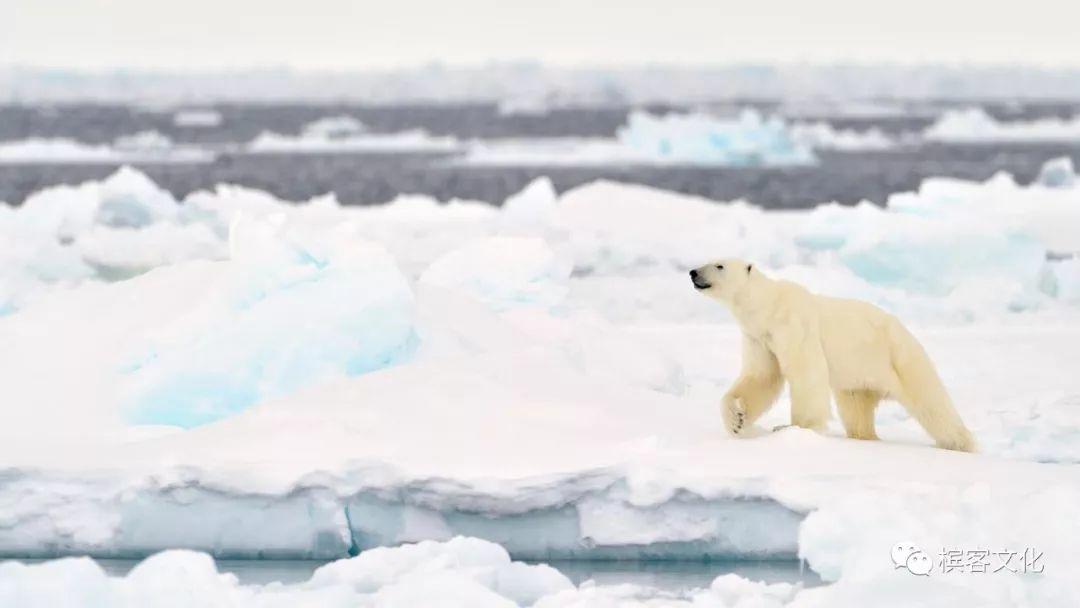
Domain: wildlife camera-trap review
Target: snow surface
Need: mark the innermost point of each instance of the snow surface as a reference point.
(503, 272)
(266, 379)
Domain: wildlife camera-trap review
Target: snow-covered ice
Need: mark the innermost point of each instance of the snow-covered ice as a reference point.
(1057, 173)
(198, 118)
(286, 311)
(344, 134)
(974, 125)
(464, 572)
(503, 272)
(748, 138)
(823, 136)
(332, 127)
(145, 147)
(247, 377)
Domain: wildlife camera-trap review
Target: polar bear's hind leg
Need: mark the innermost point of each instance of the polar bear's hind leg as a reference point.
(923, 394)
(857, 410)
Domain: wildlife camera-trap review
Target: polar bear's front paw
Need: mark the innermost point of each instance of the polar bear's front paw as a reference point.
(734, 415)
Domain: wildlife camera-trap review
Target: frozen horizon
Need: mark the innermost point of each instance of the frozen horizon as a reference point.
(528, 83)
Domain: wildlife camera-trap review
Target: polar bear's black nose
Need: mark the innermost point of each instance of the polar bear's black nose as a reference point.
(693, 274)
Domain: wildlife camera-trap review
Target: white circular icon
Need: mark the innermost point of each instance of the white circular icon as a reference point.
(900, 553)
(920, 564)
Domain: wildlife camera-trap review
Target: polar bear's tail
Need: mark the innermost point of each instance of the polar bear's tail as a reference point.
(924, 395)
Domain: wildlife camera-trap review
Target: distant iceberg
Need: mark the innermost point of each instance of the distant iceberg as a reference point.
(748, 139)
(974, 125)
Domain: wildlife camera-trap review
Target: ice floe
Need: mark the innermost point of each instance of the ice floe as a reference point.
(146, 147)
(974, 125)
(249, 377)
(339, 137)
(198, 118)
(748, 138)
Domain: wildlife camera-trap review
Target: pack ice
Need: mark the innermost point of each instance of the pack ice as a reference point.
(748, 138)
(245, 377)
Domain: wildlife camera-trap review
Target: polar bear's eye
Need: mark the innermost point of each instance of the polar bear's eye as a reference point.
(719, 266)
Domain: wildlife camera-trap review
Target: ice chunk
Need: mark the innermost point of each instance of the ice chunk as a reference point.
(129, 199)
(463, 572)
(1057, 173)
(974, 125)
(37, 150)
(75, 581)
(320, 142)
(135, 149)
(118, 253)
(823, 136)
(625, 229)
(503, 272)
(197, 118)
(481, 561)
(291, 309)
(843, 540)
(534, 205)
(926, 261)
(1065, 279)
(748, 139)
(334, 127)
(144, 140)
(68, 234)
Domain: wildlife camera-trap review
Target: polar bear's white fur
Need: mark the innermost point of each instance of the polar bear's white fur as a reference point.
(820, 345)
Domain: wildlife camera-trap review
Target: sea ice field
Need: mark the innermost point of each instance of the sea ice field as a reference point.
(792, 154)
(438, 397)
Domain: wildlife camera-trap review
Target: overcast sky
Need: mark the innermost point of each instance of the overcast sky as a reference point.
(199, 34)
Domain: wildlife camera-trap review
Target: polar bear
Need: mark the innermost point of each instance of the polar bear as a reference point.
(818, 344)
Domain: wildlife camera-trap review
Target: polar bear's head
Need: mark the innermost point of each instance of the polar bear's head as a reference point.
(722, 279)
